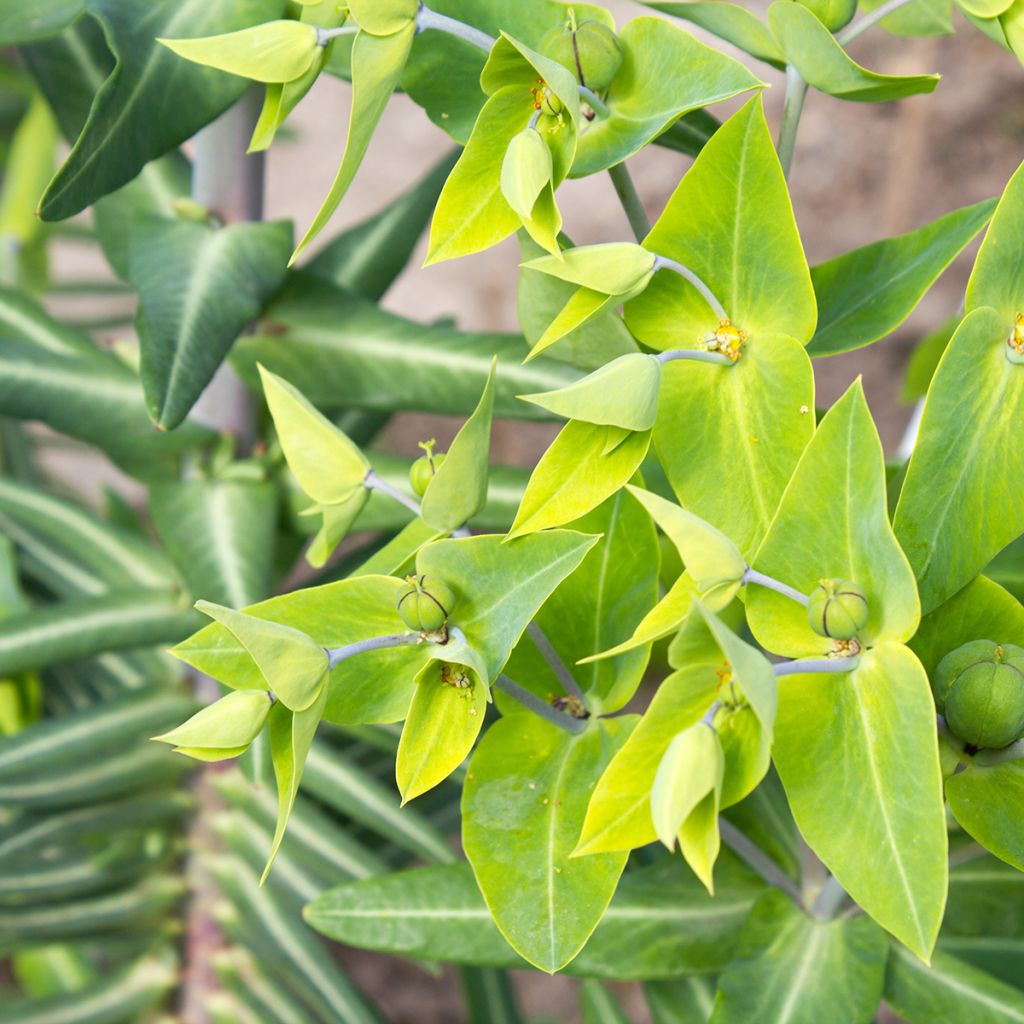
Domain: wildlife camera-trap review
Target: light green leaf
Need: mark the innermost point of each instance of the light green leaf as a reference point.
(220, 534)
(624, 393)
(731, 222)
(865, 294)
(988, 801)
(843, 742)
(997, 278)
(823, 63)
(919, 18)
(383, 17)
(584, 465)
(276, 51)
(731, 22)
(832, 523)
(28, 166)
(328, 466)
(377, 63)
(964, 462)
(500, 587)
(337, 520)
(711, 559)
(948, 990)
(233, 721)
(747, 748)
(526, 171)
(581, 309)
(618, 816)
(985, 8)
(44, 18)
(665, 73)
(519, 838)
(612, 268)
(458, 489)
(130, 121)
(291, 736)
(789, 967)
(290, 663)
(199, 287)
(690, 770)
(444, 720)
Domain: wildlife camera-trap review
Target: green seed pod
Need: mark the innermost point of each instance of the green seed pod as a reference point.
(838, 609)
(591, 52)
(979, 688)
(426, 604)
(422, 471)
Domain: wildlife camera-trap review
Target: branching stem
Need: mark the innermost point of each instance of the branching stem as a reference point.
(373, 643)
(852, 31)
(757, 858)
(630, 199)
(426, 18)
(663, 262)
(325, 35)
(829, 900)
(552, 657)
(539, 707)
(753, 576)
(374, 482)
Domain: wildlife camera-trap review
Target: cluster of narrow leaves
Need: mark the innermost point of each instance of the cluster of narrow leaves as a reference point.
(483, 643)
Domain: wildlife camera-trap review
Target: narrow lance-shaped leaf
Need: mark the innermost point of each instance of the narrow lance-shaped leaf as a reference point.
(222, 730)
(731, 22)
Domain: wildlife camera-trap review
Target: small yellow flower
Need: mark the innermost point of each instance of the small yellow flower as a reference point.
(727, 339)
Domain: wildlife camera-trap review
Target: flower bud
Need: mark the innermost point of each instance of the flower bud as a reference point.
(590, 50)
(426, 604)
(838, 609)
(422, 471)
(979, 688)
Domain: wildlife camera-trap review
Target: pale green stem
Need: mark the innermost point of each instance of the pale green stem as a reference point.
(426, 18)
(805, 666)
(756, 858)
(552, 657)
(594, 101)
(373, 643)
(539, 707)
(373, 482)
(1014, 752)
(664, 263)
(792, 108)
(630, 199)
(325, 35)
(829, 900)
(672, 354)
(753, 576)
(852, 31)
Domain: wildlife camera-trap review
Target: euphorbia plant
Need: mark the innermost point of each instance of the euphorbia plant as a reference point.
(825, 679)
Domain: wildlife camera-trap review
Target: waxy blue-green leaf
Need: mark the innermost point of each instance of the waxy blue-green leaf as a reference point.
(519, 839)
(199, 287)
(340, 351)
(731, 22)
(220, 534)
(377, 63)
(153, 100)
(665, 73)
(730, 221)
(660, 923)
(499, 587)
(832, 523)
(865, 294)
(988, 800)
(964, 463)
(290, 663)
(618, 816)
(458, 489)
(586, 464)
(843, 742)
(948, 990)
(823, 63)
(445, 717)
(789, 966)
(232, 722)
(624, 393)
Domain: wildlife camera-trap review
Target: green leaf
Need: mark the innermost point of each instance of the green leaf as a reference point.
(153, 100)
(789, 967)
(199, 287)
(342, 351)
(823, 63)
(545, 903)
(233, 721)
(687, 1000)
(599, 1006)
(44, 18)
(964, 461)
(843, 743)
(500, 587)
(444, 720)
(919, 18)
(985, 899)
(711, 559)
(867, 293)
(981, 611)
(276, 51)
(458, 489)
(660, 923)
(665, 73)
(290, 663)
(619, 813)
(584, 465)
(832, 523)
(337, 520)
(377, 62)
(624, 393)
(924, 361)
(526, 170)
(731, 222)
(383, 17)
(291, 736)
(328, 466)
(735, 24)
(79, 628)
(220, 534)
(613, 268)
(948, 990)
(997, 279)
(690, 770)
(988, 800)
